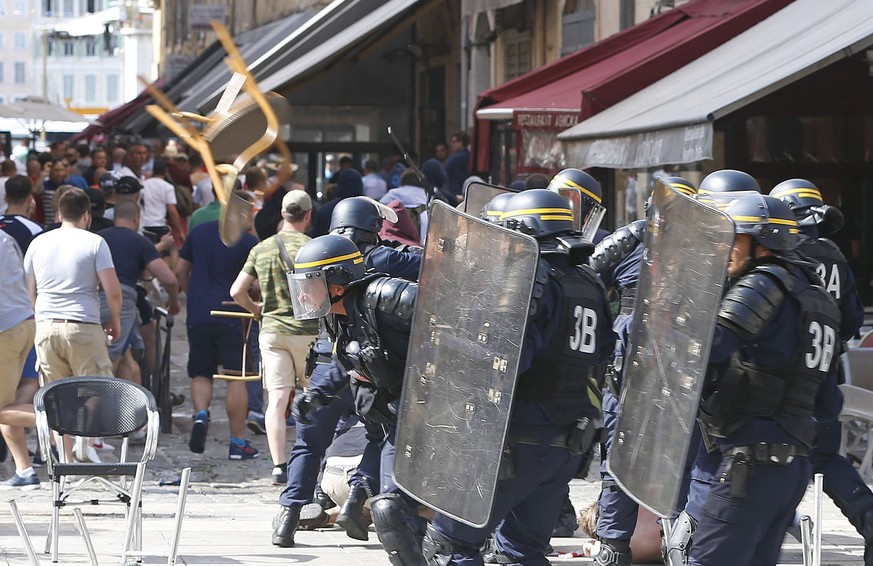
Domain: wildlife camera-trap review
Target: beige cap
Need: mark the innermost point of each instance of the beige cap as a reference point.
(298, 197)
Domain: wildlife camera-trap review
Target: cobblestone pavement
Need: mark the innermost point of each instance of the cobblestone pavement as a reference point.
(231, 505)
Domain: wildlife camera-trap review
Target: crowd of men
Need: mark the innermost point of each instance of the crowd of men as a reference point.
(334, 286)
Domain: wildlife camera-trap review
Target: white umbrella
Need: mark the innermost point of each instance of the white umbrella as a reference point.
(34, 112)
(35, 108)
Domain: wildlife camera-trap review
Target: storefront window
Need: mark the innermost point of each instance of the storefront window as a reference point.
(317, 124)
(809, 139)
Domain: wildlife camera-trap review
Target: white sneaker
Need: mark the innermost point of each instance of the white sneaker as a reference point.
(84, 452)
(100, 444)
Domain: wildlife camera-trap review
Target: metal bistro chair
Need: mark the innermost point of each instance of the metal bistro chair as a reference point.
(92, 407)
(857, 413)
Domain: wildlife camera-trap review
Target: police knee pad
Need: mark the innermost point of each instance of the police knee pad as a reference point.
(675, 550)
(613, 552)
(398, 531)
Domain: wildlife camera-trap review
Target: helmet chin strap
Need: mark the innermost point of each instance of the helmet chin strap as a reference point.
(338, 298)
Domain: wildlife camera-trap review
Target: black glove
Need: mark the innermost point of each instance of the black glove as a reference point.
(305, 404)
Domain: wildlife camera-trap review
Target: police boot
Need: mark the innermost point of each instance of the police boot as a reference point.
(613, 552)
(351, 516)
(323, 499)
(285, 525)
(398, 531)
(567, 523)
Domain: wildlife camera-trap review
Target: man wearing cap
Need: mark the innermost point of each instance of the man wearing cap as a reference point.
(178, 166)
(98, 209)
(124, 188)
(284, 341)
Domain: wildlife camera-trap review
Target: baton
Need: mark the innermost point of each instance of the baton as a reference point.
(414, 167)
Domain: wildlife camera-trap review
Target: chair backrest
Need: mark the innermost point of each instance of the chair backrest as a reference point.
(95, 406)
(859, 367)
(866, 340)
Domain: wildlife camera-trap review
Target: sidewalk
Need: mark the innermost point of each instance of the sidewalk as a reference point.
(231, 505)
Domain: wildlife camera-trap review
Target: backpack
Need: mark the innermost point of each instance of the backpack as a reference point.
(184, 200)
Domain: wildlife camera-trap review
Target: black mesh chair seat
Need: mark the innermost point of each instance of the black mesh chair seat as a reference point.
(96, 407)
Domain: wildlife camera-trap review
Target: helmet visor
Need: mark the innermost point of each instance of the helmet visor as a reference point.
(310, 297)
(385, 211)
(592, 221)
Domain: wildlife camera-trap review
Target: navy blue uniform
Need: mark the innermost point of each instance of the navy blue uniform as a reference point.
(329, 379)
(758, 411)
(842, 483)
(547, 404)
(376, 389)
(616, 511)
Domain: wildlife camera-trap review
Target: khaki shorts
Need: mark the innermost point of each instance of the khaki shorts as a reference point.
(283, 359)
(335, 480)
(71, 349)
(15, 344)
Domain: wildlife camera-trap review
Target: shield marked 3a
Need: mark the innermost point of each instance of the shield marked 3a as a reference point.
(680, 286)
(469, 324)
(479, 194)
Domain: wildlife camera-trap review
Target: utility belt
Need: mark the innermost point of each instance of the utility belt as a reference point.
(314, 358)
(581, 440)
(743, 459)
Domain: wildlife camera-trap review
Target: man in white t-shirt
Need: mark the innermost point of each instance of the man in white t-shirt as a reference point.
(64, 268)
(159, 201)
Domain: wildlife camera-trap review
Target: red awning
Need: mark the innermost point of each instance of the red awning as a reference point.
(600, 75)
(108, 121)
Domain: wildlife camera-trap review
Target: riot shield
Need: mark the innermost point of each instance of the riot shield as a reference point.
(479, 194)
(468, 327)
(680, 286)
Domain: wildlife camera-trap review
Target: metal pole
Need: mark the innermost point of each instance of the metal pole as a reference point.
(817, 527)
(45, 64)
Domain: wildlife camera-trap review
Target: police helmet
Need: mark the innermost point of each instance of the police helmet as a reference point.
(684, 186)
(728, 181)
(767, 219)
(329, 259)
(538, 213)
(804, 200)
(495, 207)
(360, 219)
(592, 194)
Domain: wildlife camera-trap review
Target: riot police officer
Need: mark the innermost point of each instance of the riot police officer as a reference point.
(591, 207)
(618, 256)
(774, 345)
(371, 333)
(728, 181)
(360, 219)
(318, 410)
(568, 341)
(841, 480)
(718, 189)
